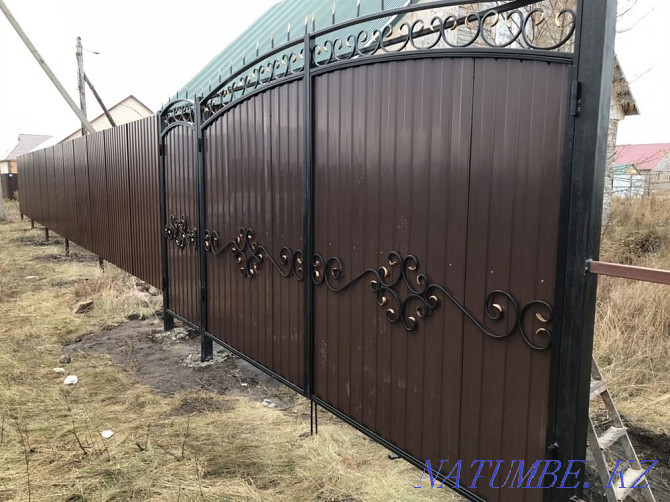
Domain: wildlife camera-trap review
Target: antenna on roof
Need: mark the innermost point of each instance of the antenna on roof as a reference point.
(219, 75)
(231, 66)
(258, 46)
(272, 40)
(313, 21)
(358, 8)
(244, 59)
(288, 32)
(306, 19)
(382, 4)
(334, 9)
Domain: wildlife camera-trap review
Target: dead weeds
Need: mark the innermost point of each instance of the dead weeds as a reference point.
(183, 445)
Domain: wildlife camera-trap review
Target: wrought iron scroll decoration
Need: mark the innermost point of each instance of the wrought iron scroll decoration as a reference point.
(425, 297)
(491, 28)
(177, 230)
(182, 111)
(444, 32)
(422, 294)
(251, 255)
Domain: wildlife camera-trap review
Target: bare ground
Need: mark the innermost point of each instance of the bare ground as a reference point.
(169, 363)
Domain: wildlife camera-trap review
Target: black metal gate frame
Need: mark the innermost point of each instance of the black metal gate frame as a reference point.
(581, 191)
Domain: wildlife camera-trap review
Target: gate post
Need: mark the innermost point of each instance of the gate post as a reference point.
(206, 343)
(168, 319)
(308, 217)
(580, 221)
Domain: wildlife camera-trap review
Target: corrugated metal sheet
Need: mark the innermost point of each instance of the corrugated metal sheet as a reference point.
(70, 198)
(101, 192)
(275, 21)
(82, 196)
(479, 213)
(118, 197)
(98, 193)
(144, 200)
(254, 164)
(180, 186)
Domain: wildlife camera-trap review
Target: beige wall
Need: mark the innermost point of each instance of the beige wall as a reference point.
(129, 110)
(8, 166)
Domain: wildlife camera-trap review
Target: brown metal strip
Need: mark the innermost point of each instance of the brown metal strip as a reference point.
(629, 272)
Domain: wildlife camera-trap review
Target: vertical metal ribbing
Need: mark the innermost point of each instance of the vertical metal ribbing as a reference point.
(206, 344)
(308, 217)
(168, 320)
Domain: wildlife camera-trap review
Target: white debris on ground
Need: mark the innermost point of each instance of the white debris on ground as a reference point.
(193, 361)
(221, 355)
(32, 278)
(268, 403)
(106, 434)
(71, 380)
(172, 335)
(59, 370)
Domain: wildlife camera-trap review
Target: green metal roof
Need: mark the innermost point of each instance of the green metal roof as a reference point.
(275, 21)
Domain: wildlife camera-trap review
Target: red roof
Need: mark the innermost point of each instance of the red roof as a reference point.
(643, 157)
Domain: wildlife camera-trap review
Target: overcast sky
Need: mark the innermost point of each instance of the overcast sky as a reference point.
(150, 48)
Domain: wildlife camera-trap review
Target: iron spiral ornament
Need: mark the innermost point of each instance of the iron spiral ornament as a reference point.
(422, 297)
(251, 256)
(177, 231)
(537, 29)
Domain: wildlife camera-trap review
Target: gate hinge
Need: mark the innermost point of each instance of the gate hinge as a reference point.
(161, 149)
(575, 99)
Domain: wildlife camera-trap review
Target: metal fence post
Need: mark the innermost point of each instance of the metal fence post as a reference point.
(308, 216)
(206, 343)
(581, 209)
(168, 319)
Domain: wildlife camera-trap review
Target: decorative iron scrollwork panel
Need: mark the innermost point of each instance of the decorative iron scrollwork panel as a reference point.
(422, 297)
(545, 27)
(514, 29)
(407, 294)
(177, 230)
(251, 255)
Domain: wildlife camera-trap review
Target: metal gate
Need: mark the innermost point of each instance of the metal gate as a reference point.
(392, 222)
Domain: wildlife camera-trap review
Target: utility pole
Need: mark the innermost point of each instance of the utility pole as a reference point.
(80, 82)
(40, 60)
(99, 99)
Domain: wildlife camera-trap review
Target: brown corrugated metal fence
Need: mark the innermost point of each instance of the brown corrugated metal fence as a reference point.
(427, 190)
(101, 192)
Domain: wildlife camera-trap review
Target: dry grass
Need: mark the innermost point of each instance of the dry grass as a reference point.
(632, 341)
(50, 446)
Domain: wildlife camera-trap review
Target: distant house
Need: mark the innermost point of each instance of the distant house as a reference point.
(127, 110)
(622, 105)
(8, 171)
(651, 161)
